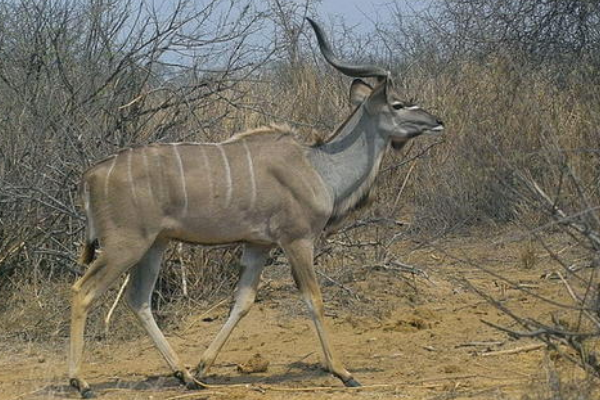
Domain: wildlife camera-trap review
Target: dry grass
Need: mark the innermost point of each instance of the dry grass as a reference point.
(502, 118)
(553, 384)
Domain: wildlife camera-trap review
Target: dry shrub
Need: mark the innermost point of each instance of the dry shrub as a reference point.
(34, 310)
(311, 101)
(72, 91)
(527, 256)
(553, 384)
(39, 311)
(197, 273)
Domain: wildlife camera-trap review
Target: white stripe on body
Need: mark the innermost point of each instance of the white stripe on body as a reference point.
(252, 177)
(146, 170)
(182, 174)
(91, 231)
(156, 154)
(308, 185)
(130, 177)
(110, 170)
(207, 174)
(228, 175)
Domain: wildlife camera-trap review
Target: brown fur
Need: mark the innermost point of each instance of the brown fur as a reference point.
(335, 221)
(87, 253)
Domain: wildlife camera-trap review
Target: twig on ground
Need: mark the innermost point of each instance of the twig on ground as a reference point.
(325, 388)
(205, 313)
(200, 395)
(21, 396)
(541, 333)
(400, 266)
(304, 357)
(476, 343)
(264, 388)
(341, 285)
(517, 350)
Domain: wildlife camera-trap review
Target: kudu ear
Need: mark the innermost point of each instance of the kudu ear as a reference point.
(359, 92)
(378, 97)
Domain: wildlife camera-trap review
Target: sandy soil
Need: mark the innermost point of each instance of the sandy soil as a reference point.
(406, 338)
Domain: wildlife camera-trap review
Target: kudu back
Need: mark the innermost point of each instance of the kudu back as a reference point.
(261, 188)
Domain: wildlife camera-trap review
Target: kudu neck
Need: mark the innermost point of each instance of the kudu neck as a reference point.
(349, 163)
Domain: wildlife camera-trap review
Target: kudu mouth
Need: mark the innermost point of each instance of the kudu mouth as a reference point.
(436, 130)
(413, 131)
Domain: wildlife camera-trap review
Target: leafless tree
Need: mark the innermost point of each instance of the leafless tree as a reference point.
(80, 80)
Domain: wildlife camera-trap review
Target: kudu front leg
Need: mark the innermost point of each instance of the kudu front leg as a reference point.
(253, 261)
(300, 254)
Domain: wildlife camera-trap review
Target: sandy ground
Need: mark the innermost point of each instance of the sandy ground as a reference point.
(406, 338)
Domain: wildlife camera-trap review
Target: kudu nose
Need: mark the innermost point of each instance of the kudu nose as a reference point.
(440, 122)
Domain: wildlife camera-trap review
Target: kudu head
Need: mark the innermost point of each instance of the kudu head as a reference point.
(395, 120)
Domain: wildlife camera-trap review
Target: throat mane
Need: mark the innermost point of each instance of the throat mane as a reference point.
(349, 163)
(343, 206)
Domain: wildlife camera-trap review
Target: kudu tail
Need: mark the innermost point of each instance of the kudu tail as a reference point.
(87, 253)
(89, 247)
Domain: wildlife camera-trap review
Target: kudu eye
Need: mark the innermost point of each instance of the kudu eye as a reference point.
(398, 105)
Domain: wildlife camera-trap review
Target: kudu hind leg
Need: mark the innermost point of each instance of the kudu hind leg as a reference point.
(139, 299)
(253, 261)
(300, 256)
(98, 278)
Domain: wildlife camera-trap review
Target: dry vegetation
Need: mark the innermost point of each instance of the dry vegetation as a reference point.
(519, 97)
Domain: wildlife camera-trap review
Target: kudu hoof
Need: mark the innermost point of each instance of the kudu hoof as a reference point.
(192, 386)
(199, 373)
(351, 383)
(188, 381)
(83, 388)
(87, 394)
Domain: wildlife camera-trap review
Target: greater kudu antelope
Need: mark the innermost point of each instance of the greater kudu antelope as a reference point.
(261, 188)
